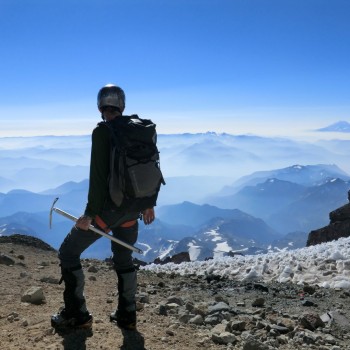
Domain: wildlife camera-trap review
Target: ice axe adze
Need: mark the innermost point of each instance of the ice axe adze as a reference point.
(92, 228)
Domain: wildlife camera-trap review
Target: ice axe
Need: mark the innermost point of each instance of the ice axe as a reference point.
(92, 228)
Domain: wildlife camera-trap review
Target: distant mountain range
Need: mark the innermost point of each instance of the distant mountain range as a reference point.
(209, 205)
(205, 160)
(219, 236)
(288, 205)
(306, 175)
(312, 209)
(258, 215)
(341, 126)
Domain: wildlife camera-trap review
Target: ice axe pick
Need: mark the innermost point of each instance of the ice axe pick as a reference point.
(92, 228)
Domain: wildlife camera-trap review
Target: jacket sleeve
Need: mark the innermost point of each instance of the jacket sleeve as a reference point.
(99, 171)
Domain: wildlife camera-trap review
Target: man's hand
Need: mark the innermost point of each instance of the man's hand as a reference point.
(148, 216)
(84, 222)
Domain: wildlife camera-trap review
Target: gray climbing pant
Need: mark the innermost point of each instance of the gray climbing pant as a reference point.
(76, 242)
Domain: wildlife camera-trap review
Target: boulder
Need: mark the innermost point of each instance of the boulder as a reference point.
(34, 295)
(6, 260)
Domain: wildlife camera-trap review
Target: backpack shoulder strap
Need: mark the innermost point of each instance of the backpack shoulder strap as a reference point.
(114, 131)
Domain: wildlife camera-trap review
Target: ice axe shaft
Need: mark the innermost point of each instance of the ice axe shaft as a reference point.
(94, 229)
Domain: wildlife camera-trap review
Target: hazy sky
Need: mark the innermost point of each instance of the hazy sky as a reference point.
(240, 66)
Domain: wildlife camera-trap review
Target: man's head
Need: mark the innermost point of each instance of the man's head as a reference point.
(111, 98)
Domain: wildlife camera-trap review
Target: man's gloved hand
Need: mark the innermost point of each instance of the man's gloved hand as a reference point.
(148, 216)
(84, 222)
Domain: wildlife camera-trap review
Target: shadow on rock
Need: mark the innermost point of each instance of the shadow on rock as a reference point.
(133, 340)
(75, 339)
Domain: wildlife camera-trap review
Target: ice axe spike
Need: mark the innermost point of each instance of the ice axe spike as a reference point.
(92, 228)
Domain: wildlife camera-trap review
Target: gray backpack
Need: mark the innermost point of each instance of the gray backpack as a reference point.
(135, 176)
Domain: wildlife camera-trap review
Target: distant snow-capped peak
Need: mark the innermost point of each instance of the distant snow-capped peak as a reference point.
(341, 126)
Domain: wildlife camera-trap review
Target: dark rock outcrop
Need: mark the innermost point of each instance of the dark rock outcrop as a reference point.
(176, 259)
(329, 233)
(340, 214)
(338, 227)
(27, 241)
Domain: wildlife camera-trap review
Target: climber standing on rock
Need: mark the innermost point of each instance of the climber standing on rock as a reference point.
(123, 186)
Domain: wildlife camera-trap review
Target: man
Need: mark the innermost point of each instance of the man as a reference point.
(99, 210)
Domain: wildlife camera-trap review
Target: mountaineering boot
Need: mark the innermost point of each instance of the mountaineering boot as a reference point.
(125, 315)
(65, 320)
(75, 313)
(124, 319)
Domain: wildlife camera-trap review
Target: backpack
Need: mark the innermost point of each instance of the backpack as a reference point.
(135, 176)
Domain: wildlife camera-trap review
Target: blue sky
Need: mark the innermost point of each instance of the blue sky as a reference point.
(240, 66)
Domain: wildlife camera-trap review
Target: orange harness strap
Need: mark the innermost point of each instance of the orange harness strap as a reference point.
(128, 223)
(105, 227)
(101, 224)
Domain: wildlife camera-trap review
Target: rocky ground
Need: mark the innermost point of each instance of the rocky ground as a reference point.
(175, 312)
